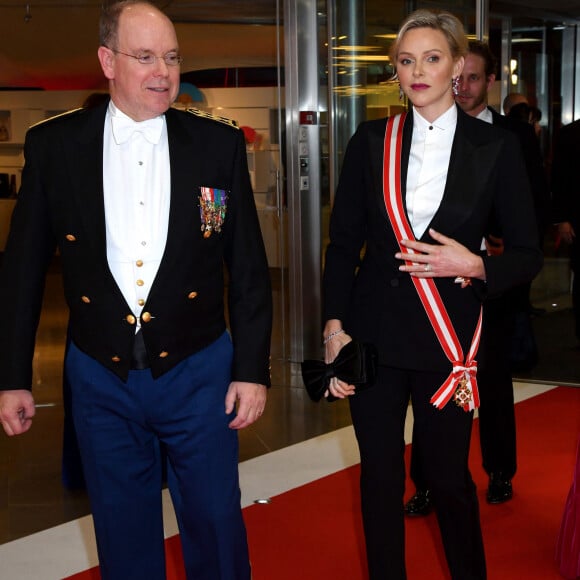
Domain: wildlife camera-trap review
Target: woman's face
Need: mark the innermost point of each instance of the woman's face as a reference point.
(425, 67)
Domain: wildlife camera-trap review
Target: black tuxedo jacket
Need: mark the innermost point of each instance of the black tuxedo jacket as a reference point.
(377, 303)
(60, 205)
(535, 169)
(565, 180)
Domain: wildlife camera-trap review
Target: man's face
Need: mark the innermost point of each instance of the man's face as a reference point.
(142, 91)
(473, 85)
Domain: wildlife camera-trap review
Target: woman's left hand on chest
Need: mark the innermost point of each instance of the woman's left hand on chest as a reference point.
(447, 258)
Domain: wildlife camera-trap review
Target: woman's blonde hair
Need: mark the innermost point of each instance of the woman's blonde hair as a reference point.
(445, 22)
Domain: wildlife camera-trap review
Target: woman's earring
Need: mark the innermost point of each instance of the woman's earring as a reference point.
(455, 85)
(401, 94)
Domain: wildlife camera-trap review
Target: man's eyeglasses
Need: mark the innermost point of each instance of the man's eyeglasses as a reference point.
(170, 59)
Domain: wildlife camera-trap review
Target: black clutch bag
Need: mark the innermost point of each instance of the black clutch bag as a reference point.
(356, 364)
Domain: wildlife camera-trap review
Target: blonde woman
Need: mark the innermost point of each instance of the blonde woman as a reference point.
(418, 192)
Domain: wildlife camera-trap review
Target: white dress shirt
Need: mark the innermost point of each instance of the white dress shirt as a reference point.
(137, 183)
(485, 115)
(428, 164)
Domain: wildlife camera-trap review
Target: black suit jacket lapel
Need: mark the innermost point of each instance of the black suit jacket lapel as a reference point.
(377, 144)
(185, 157)
(87, 161)
(405, 153)
(457, 202)
(87, 171)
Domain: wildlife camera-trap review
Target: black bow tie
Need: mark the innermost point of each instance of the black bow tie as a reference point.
(356, 364)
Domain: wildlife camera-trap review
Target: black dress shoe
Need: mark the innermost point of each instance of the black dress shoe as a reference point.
(500, 488)
(421, 504)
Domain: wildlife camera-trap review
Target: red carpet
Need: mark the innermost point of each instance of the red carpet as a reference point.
(314, 532)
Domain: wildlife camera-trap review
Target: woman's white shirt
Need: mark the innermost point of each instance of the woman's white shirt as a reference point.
(428, 165)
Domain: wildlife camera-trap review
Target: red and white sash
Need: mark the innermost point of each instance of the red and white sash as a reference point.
(461, 384)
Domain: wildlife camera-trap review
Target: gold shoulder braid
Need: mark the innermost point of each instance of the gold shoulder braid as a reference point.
(55, 117)
(200, 113)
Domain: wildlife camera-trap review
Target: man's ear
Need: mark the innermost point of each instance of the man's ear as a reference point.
(107, 58)
(490, 81)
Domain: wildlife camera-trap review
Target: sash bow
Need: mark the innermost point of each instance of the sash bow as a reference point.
(461, 385)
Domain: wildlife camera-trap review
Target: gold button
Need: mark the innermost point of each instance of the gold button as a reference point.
(140, 301)
(139, 263)
(71, 238)
(140, 282)
(145, 317)
(130, 319)
(115, 359)
(163, 354)
(86, 299)
(192, 295)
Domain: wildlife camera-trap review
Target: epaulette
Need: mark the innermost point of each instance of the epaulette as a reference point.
(55, 117)
(206, 115)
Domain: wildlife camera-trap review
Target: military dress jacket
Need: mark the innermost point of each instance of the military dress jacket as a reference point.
(362, 284)
(60, 205)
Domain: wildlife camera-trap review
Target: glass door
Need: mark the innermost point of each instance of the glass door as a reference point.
(243, 80)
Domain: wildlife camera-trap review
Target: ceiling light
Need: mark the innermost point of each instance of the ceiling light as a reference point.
(364, 57)
(355, 47)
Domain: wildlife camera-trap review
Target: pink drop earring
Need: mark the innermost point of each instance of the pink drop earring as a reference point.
(455, 85)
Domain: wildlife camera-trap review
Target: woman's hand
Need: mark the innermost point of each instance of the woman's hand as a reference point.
(333, 342)
(448, 259)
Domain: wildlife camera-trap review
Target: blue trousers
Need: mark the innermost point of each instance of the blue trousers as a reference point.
(121, 429)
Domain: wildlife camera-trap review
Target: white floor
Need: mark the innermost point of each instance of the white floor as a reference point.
(70, 548)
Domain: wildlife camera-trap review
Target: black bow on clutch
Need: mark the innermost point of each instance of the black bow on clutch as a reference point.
(356, 364)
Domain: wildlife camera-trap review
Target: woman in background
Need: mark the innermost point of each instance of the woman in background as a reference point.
(418, 193)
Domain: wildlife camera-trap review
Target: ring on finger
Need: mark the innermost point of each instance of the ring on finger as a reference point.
(428, 267)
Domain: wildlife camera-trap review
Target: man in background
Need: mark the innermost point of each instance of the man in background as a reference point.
(511, 100)
(566, 203)
(472, 98)
(496, 412)
(146, 205)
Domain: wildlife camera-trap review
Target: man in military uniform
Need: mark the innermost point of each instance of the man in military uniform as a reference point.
(146, 204)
